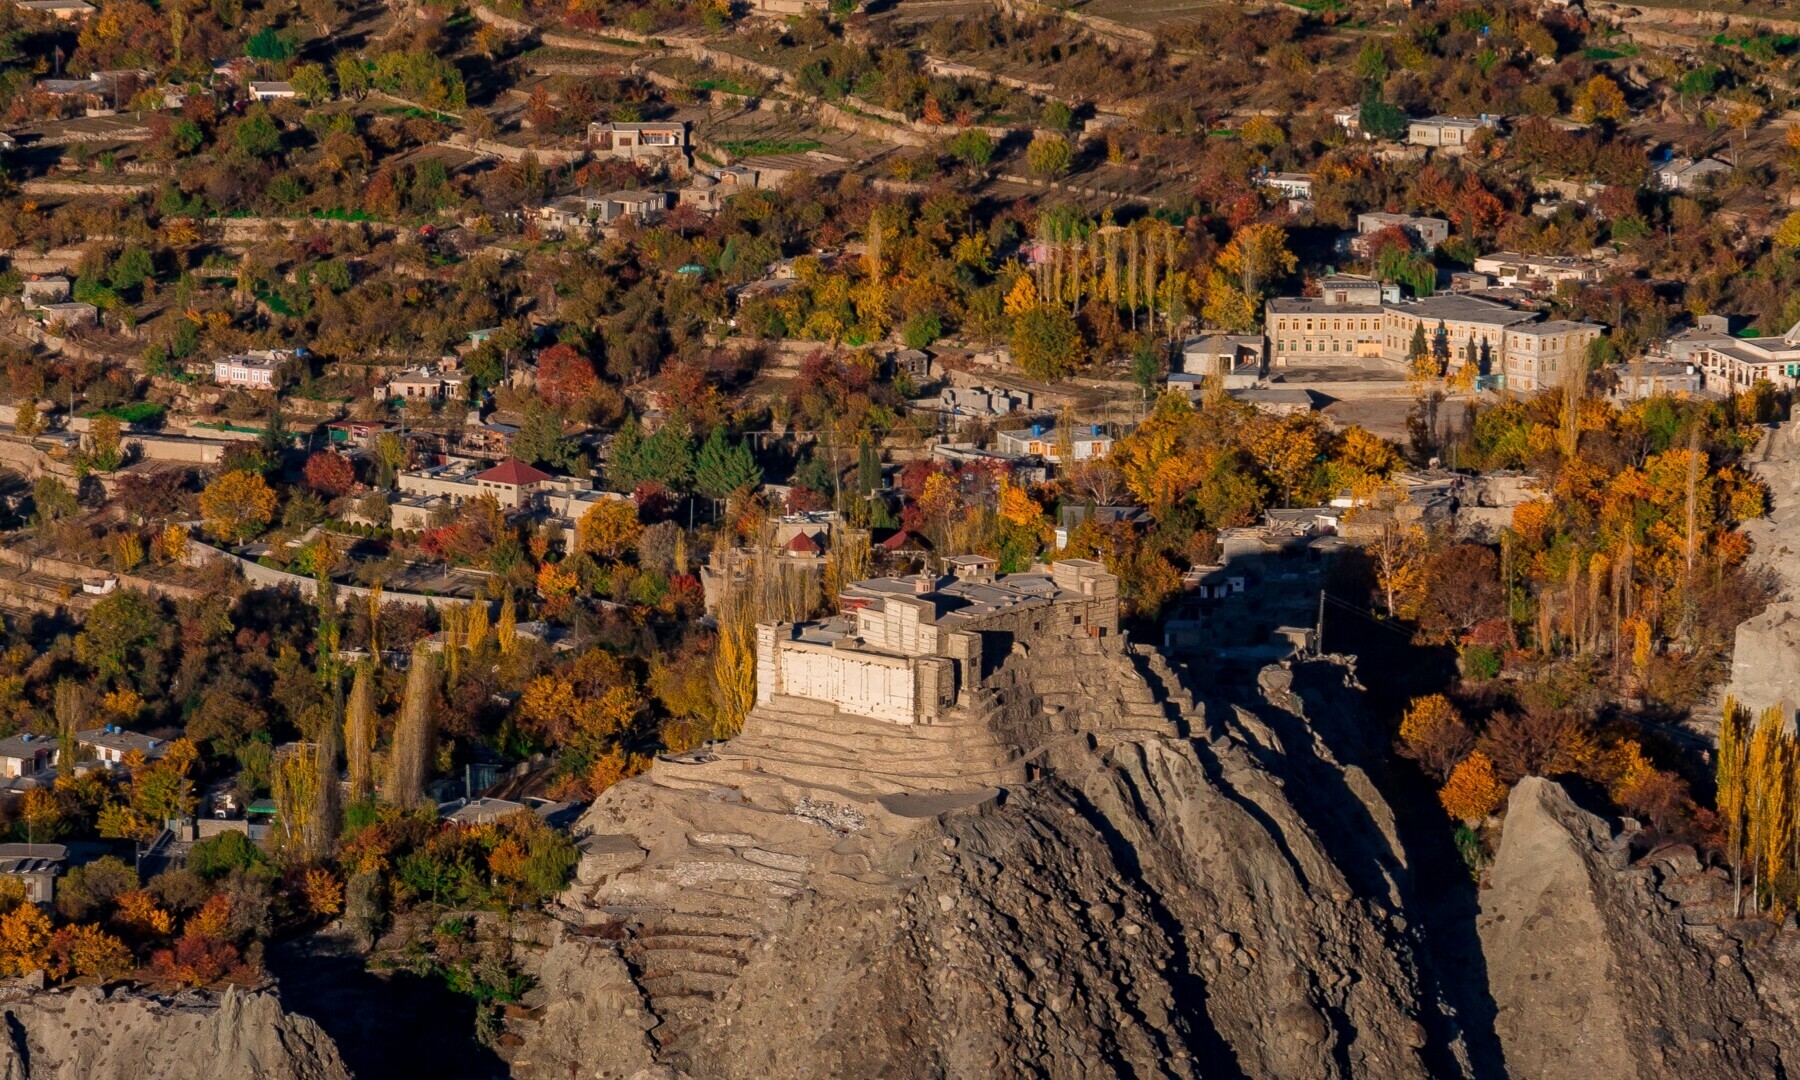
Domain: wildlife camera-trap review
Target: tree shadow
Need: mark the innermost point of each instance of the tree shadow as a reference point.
(397, 1024)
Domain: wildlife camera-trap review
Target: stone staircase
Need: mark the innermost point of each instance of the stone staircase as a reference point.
(810, 742)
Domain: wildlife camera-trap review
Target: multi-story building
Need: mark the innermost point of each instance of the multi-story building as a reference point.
(1344, 322)
(907, 646)
(1537, 355)
(1450, 321)
(1352, 322)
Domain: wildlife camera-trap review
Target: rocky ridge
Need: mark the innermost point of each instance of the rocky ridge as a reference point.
(89, 1034)
(1605, 960)
(1081, 871)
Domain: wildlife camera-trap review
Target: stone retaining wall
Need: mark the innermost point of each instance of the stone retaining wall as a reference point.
(266, 577)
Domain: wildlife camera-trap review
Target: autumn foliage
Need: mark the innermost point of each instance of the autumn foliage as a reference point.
(1473, 791)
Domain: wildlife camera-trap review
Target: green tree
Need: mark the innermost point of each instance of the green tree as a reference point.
(1049, 156)
(257, 135)
(1371, 62)
(724, 467)
(868, 467)
(310, 82)
(116, 632)
(53, 499)
(269, 44)
(132, 268)
(973, 147)
(1380, 119)
(1046, 342)
(352, 75)
(106, 452)
(541, 441)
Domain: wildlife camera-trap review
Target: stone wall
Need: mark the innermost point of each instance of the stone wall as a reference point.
(862, 683)
(267, 577)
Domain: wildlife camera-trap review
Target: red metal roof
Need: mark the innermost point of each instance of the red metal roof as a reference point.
(516, 473)
(803, 542)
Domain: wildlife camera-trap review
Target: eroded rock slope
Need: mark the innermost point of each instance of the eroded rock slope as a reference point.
(89, 1034)
(1609, 961)
(1079, 872)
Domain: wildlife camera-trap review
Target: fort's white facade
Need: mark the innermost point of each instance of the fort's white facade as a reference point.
(907, 648)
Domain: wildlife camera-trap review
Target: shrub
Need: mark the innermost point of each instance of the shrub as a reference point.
(1480, 662)
(220, 855)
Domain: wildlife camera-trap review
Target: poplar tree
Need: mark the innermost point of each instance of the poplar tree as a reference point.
(409, 763)
(359, 734)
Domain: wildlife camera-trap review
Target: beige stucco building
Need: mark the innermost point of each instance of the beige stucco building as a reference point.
(907, 647)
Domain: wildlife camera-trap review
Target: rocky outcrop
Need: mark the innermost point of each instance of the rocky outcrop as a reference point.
(88, 1034)
(1763, 667)
(1602, 965)
(1079, 872)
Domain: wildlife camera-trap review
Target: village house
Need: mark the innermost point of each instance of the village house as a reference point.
(1707, 331)
(1291, 184)
(25, 754)
(1238, 358)
(982, 401)
(664, 142)
(272, 91)
(35, 292)
(1426, 232)
(1041, 440)
(804, 536)
(111, 744)
(511, 483)
(1646, 378)
(1687, 175)
(428, 384)
(65, 10)
(585, 214)
(36, 866)
(258, 370)
(1447, 133)
(69, 315)
(1540, 273)
(1258, 603)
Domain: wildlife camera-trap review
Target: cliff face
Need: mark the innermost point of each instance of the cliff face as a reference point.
(1605, 966)
(87, 1034)
(1078, 872)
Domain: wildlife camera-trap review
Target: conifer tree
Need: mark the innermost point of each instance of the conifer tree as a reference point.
(724, 467)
